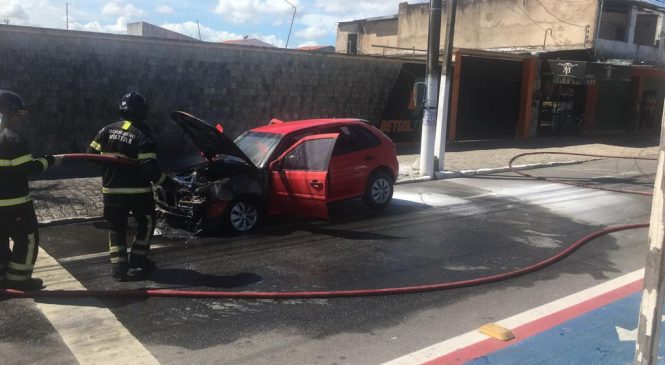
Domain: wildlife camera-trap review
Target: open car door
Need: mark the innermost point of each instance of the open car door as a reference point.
(299, 178)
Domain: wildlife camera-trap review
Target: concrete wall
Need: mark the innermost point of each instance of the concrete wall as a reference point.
(72, 82)
(508, 23)
(379, 32)
(413, 25)
(483, 24)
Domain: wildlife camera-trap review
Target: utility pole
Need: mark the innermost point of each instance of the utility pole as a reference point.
(67, 15)
(446, 80)
(651, 310)
(199, 27)
(431, 96)
(291, 26)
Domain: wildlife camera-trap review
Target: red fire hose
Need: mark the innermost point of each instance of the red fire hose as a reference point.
(145, 293)
(99, 158)
(142, 293)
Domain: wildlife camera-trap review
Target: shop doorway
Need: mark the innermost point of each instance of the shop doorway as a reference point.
(489, 98)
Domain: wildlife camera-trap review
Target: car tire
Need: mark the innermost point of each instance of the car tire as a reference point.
(379, 190)
(243, 215)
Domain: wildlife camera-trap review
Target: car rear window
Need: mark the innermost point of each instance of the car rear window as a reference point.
(352, 138)
(363, 138)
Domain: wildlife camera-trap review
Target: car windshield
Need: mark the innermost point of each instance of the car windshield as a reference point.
(258, 146)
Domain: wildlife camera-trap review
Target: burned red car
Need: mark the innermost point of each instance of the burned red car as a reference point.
(294, 168)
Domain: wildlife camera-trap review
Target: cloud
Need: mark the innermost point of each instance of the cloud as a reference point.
(120, 26)
(308, 44)
(272, 39)
(317, 26)
(164, 9)
(119, 8)
(208, 34)
(13, 12)
(243, 11)
(359, 9)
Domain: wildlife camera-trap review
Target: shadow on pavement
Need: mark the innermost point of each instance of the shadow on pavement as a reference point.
(192, 278)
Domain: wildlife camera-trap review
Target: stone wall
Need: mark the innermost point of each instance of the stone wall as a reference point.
(73, 81)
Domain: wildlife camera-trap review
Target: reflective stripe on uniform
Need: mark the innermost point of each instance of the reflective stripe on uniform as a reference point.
(15, 201)
(16, 161)
(32, 243)
(96, 146)
(44, 162)
(147, 156)
(127, 125)
(15, 277)
(142, 190)
(117, 260)
(20, 267)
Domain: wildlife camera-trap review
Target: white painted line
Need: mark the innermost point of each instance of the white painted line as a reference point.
(91, 332)
(153, 248)
(467, 339)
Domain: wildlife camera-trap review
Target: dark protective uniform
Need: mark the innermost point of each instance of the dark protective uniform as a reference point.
(17, 214)
(128, 189)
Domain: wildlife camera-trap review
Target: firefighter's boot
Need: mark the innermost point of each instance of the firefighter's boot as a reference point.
(25, 285)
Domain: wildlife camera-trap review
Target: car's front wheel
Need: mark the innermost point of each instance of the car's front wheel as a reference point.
(243, 215)
(379, 190)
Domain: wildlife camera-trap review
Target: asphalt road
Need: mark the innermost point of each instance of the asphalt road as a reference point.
(433, 232)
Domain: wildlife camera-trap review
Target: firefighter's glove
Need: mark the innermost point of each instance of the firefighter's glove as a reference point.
(54, 160)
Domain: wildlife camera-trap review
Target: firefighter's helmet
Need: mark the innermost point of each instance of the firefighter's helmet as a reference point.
(133, 106)
(10, 104)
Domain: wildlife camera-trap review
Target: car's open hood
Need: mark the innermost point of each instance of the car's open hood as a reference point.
(207, 138)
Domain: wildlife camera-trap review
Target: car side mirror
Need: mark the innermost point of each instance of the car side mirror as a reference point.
(276, 165)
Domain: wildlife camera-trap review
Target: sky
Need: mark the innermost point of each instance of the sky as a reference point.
(268, 20)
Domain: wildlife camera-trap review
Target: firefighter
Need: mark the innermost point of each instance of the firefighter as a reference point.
(17, 213)
(127, 188)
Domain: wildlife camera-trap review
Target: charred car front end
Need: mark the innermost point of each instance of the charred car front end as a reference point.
(223, 190)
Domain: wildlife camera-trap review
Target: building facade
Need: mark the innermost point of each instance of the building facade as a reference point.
(538, 67)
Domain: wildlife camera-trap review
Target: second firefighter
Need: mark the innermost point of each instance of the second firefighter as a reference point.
(128, 189)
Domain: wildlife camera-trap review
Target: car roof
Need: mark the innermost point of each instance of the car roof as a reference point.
(289, 127)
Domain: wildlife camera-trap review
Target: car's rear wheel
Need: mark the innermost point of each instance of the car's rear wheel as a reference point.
(243, 215)
(379, 190)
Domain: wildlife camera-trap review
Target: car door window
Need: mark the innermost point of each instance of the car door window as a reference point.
(313, 155)
(290, 140)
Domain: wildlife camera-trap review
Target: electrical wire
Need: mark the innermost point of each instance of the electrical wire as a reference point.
(535, 22)
(557, 18)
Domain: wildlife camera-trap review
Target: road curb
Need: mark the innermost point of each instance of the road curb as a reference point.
(451, 174)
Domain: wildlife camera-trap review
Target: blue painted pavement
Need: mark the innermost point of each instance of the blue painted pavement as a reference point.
(591, 338)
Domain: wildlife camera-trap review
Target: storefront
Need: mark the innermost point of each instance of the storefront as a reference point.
(563, 98)
(578, 98)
